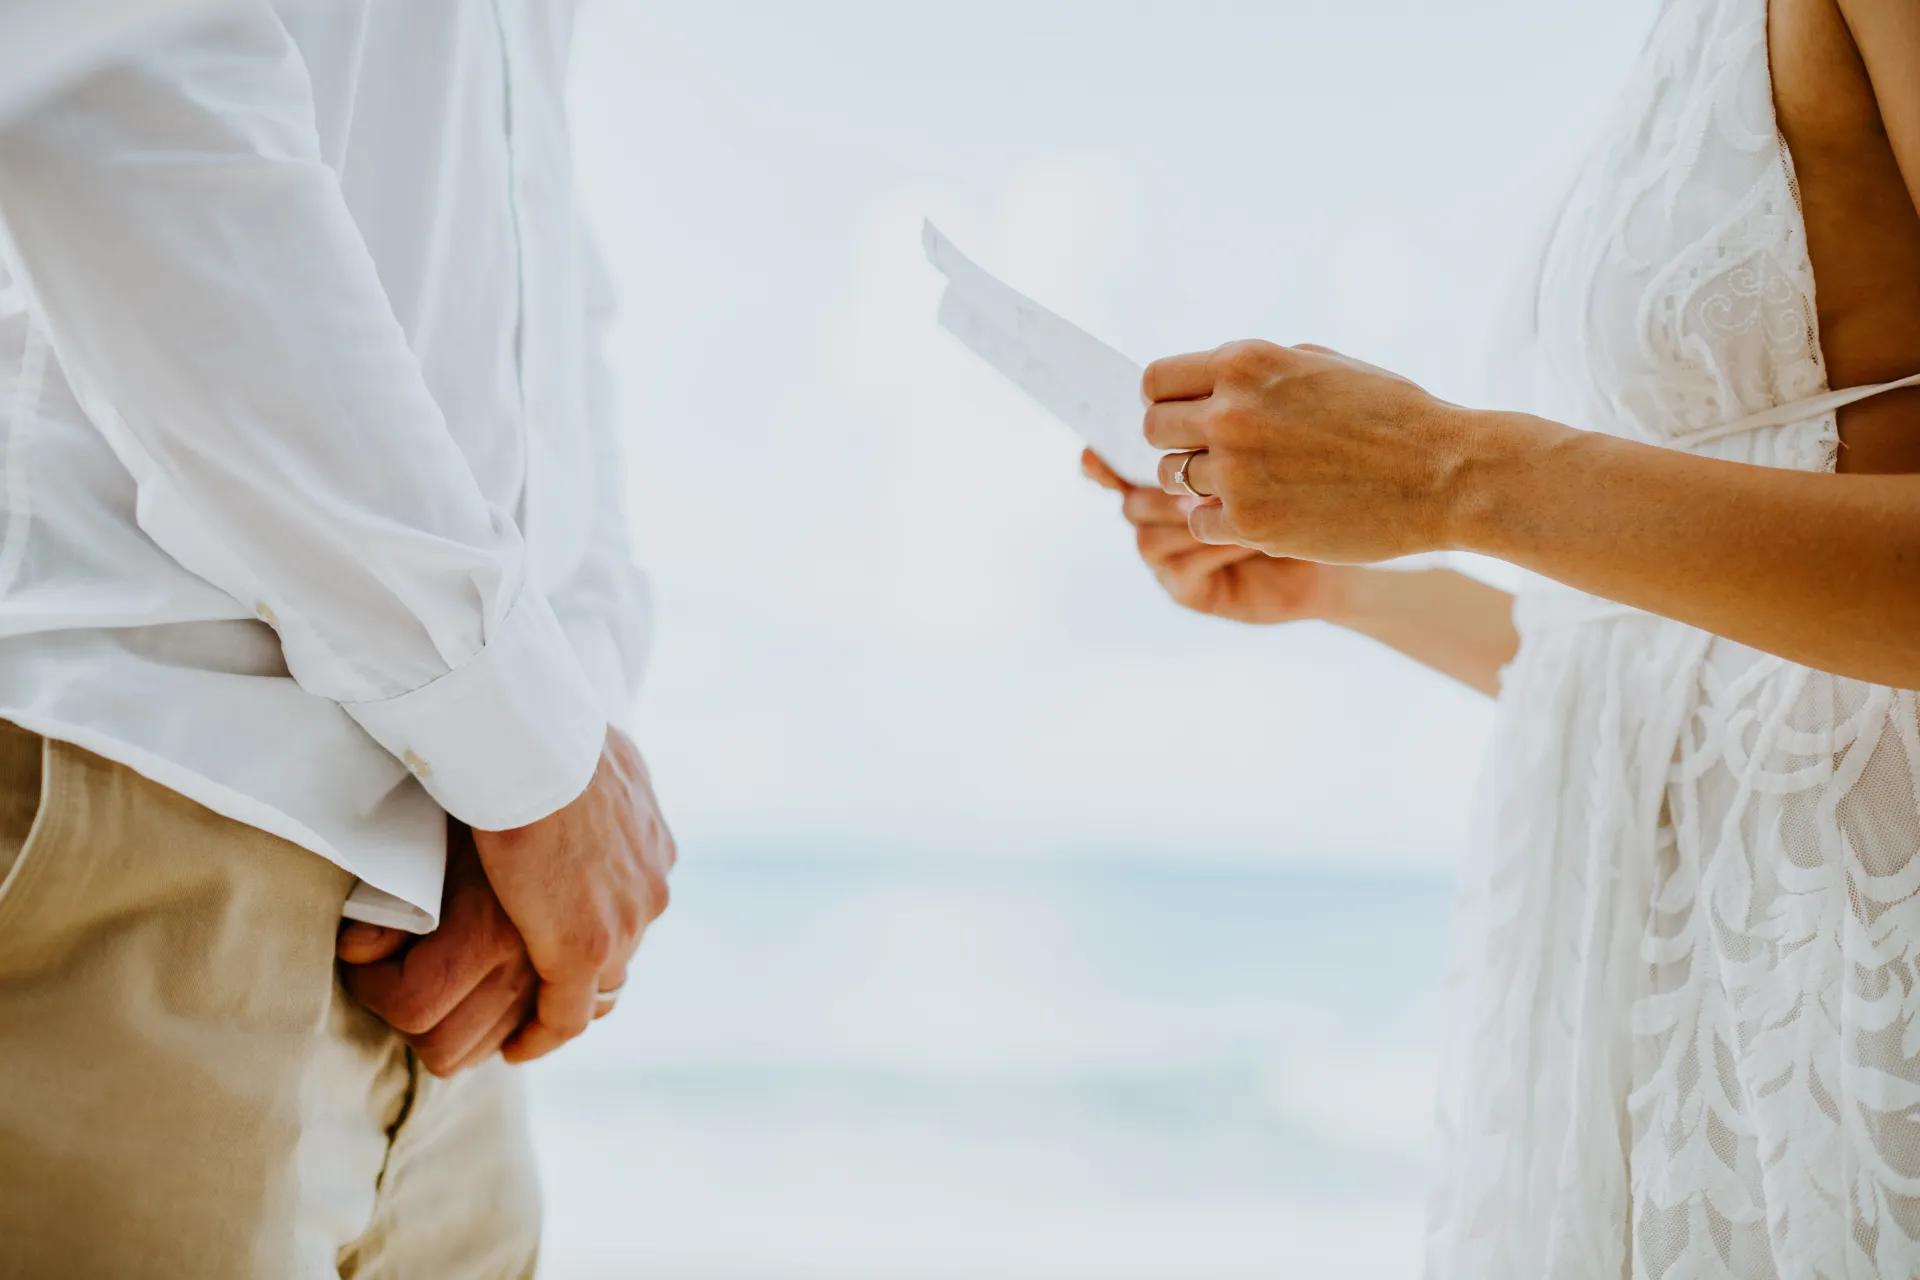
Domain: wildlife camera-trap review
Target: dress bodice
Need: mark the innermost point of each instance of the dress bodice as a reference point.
(1685, 1033)
(1675, 293)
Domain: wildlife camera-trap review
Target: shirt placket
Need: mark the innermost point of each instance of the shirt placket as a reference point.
(522, 196)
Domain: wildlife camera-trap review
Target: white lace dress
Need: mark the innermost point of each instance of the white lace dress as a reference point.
(1687, 1008)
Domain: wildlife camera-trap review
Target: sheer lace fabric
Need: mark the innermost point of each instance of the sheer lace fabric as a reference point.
(1686, 1013)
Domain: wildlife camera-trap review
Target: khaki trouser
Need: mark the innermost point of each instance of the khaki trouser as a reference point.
(186, 1090)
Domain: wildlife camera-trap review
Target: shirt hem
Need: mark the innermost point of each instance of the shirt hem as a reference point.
(391, 906)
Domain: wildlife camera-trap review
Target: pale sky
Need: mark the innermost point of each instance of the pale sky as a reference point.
(891, 612)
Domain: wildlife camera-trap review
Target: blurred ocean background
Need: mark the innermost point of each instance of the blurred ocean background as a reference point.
(1108, 1066)
(1027, 928)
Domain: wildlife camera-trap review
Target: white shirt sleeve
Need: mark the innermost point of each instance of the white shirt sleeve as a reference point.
(208, 296)
(605, 605)
(46, 42)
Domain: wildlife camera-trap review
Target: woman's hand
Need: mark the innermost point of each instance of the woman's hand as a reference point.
(1304, 452)
(1226, 581)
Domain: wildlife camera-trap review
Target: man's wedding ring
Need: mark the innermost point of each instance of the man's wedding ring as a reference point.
(1180, 476)
(605, 997)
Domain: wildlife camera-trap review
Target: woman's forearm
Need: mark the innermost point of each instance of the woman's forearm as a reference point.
(1821, 569)
(1455, 624)
(1309, 454)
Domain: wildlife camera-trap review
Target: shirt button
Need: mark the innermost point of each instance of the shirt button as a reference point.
(265, 613)
(418, 767)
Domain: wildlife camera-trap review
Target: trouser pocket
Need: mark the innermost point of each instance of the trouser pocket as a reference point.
(177, 1099)
(29, 803)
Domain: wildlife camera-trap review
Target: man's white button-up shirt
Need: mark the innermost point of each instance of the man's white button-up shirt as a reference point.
(309, 479)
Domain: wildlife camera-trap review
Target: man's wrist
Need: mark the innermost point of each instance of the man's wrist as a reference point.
(506, 737)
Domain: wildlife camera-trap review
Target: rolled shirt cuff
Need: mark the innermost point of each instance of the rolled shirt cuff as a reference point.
(609, 666)
(507, 737)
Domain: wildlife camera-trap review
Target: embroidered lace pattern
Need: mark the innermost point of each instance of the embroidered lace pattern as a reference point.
(1686, 1007)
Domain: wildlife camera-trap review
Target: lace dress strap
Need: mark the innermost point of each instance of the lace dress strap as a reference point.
(1795, 411)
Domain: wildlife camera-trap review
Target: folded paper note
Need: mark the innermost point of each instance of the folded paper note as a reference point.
(1072, 374)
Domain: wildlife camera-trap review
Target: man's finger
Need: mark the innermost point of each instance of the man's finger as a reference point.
(613, 980)
(496, 1036)
(1185, 377)
(1096, 469)
(362, 943)
(533, 1040)
(1197, 476)
(414, 991)
(567, 1007)
(453, 1039)
(564, 1010)
(1209, 524)
(1175, 424)
(378, 986)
